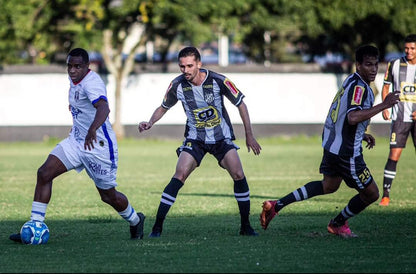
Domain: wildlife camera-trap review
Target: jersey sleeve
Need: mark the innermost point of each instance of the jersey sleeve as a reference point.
(95, 89)
(231, 91)
(356, 96)
(171, 97)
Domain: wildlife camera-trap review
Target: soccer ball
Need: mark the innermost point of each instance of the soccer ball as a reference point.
(34, 233)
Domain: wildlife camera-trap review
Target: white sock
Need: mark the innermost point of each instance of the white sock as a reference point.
(130, 215)
(38, 211)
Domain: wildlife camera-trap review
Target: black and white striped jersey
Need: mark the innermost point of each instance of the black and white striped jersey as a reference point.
(207, 117)
(338, 136)
(402, 76)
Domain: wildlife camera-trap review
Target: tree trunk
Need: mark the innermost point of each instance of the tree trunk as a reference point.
(120, 68)
(117, 125)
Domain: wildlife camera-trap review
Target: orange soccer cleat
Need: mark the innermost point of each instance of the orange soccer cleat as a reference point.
(385, 201)
(267, 213)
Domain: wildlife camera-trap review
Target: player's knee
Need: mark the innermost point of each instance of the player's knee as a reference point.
(329, 187)
(374, 196)
(239, 175)
(108, 199)
(43, 175)
(108, 196)
(370, 197)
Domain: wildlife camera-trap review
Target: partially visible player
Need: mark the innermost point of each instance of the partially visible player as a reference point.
(401, 75)
(342, 137)
(208, 130)
(91, 145)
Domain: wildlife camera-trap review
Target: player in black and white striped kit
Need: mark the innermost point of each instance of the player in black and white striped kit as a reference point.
(208, 130)
(342, 137)
(400, 76)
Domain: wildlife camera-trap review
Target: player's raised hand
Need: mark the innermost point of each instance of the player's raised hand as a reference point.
(392, 98)
(144, 126)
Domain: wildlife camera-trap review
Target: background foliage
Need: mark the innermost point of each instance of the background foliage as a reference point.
(33, 31)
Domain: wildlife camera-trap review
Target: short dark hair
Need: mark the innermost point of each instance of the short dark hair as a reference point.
(80, 52)
(190, 51)
(365, 50)
(411, 38)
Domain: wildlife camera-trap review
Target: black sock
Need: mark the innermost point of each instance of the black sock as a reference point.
(242, 195)
(168, 198)
(389, 174)
(307, 191)
(355, 206)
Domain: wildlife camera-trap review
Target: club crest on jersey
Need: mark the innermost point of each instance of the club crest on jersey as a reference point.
(209, 97)
(357, 96)
(231, 87)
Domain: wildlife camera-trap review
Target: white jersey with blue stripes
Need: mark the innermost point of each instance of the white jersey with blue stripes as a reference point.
(82, 97)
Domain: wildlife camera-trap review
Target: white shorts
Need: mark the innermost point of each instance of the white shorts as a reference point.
(100, 163)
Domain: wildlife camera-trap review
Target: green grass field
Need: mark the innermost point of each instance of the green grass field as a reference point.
(201, 230)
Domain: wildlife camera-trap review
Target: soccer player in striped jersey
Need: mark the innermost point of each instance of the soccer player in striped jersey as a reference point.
(91, 145)
(208, 130)
(342, 137)
(401, 75)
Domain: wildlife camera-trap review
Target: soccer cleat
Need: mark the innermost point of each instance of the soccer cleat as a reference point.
(136, 231)
(267, 213)
(16, 237)
(156, 232)
(385, 201)
(343, 230)
(247, 230)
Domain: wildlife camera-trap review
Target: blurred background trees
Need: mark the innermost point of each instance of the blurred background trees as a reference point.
(37, 31)
(123, 32)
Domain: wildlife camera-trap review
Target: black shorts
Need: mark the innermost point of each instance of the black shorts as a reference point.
(352, 170)
(399, 131)
(198, 149)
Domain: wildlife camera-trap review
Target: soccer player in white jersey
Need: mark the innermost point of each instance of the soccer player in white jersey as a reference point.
(343, 133)
(401, 74)
(91, 145)
(208, 130)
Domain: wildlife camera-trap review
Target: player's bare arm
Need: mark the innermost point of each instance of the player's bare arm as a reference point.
(251, 142)
(355, 117)
(100, 116)
(385, 91)
(156, 116)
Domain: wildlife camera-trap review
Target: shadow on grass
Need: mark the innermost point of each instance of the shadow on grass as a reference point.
(294, 242)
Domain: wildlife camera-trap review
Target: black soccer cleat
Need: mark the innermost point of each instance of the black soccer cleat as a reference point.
(16, 238)
(247, 230)
(156, 232)
(136, 231)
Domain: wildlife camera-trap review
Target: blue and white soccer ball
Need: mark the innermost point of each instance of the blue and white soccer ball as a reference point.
(34, 233)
